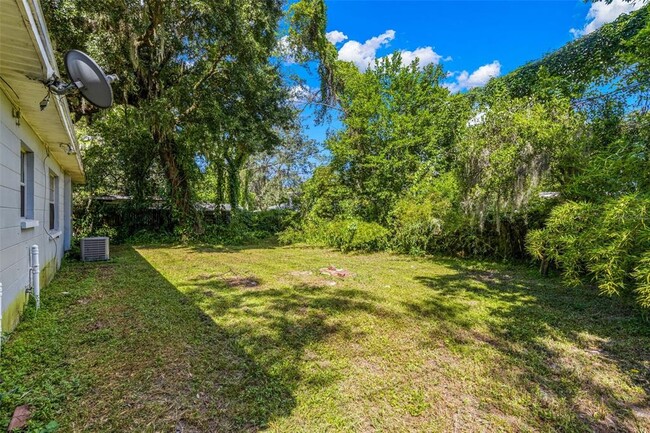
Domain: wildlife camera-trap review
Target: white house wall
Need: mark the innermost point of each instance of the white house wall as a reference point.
(15, 241)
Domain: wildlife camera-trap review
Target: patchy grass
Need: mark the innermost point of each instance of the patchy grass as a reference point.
(209, 339)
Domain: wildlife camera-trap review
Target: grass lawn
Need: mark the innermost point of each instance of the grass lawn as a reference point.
(205, 339)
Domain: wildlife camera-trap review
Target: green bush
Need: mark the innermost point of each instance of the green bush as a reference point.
(610, 243)
(424, 220)
(642, 277)
(292, 235)
(247, 227)
(357, 235)
(343, 234)
(240, 228)
(271, 221)
(430, 220)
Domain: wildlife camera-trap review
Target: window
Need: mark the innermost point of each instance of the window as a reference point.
(53, 196)
(26, 184)
(23, 170)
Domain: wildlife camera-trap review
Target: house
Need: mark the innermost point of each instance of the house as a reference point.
(39, 158)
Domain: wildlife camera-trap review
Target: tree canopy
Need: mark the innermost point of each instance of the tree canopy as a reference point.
(196, 78)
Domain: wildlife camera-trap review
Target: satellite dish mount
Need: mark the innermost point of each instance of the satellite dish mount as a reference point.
(87, 78)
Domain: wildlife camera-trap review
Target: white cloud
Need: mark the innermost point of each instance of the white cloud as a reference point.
(601, 13)
(364, 55)
(301, 93)
(285, 51)
(426, 55)
(335, 37)
(465, 81)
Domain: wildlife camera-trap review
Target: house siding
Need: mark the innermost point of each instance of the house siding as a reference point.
(15, 242)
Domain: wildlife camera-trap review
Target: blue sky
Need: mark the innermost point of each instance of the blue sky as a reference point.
(474, 40)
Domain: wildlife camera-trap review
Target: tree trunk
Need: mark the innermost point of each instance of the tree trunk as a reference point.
(233, 168)
(543, 267)
(221, 184)
(183, 211)
(233, 182)
(245, 195)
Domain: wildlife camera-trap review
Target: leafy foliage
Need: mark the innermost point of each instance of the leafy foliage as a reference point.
(343, 234)
(307, 42)
(196, 79)
(513, 149)
(396, 118)
(522, 167)
(429, 218)
(596, 57)
(608, 242)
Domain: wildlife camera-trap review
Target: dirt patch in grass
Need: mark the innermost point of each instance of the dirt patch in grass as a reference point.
(336, 272)
(83, 301)
(230, 278)
(301, 273)
(245, 282)
(96, 325)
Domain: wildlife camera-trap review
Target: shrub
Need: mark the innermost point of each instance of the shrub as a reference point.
(564, 240)
(610, 243)
(344, 234)
(642, 278)
(246, 227)
(357, 235)
(429, 220)
(423, 221)
(271, 221)
(292, 235)
(123, 223)
(415, 226)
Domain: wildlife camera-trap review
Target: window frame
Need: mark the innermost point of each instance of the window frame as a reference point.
(23, 184)
(53, 202)
(26, 179)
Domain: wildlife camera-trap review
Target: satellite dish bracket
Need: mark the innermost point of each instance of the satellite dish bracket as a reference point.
(59, 87)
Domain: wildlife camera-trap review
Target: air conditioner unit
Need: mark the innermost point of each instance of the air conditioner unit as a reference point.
(94, 249)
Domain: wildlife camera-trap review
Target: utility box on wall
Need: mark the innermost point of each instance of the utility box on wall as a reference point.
(94, 249)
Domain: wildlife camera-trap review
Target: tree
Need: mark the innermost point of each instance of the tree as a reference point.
(275, 177)
(177, 61)
(307, 43)
(519, 147)
(399, 122)
(599, 57)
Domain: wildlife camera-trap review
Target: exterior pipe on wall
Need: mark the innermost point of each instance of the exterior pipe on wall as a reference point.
(31, 270)
(36, 271)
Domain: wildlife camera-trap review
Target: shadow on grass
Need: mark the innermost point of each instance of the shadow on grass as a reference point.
(526, 314)
(119, 348)
(246, 367)
(281, 326)
(207, 356)
(188, 371)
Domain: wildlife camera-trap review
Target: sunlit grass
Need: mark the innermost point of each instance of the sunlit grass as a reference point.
(201, 338)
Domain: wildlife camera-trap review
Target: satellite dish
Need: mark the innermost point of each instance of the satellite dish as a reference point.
(87, 78)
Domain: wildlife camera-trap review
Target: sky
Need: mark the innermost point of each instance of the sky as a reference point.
(472, 40)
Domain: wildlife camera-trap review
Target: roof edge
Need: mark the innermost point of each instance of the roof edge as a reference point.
(33, 15)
